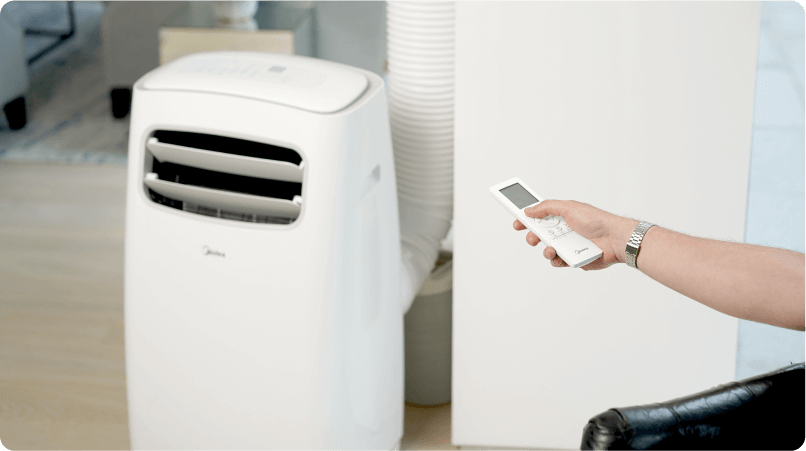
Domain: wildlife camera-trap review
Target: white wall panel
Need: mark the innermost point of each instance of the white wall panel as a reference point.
(642, 109)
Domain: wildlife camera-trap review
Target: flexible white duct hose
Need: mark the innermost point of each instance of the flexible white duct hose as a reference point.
(420, 39)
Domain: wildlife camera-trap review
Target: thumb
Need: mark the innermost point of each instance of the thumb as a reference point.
(548, 207)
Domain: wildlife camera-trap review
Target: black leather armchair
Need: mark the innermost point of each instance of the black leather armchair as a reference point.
(761, 412)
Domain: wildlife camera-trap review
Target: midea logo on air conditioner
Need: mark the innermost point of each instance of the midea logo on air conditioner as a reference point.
(207, 251)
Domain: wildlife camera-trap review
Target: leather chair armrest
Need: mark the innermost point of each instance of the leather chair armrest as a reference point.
(761, 412)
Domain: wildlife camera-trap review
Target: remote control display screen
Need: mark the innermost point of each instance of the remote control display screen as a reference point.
(519, 196)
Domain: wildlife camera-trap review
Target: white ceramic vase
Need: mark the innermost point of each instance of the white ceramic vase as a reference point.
(237, 14)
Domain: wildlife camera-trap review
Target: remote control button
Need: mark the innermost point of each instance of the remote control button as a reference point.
(551, 232)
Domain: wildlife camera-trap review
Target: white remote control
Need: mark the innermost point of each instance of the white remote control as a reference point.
(573, 248)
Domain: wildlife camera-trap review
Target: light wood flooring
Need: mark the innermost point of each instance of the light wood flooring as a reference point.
(62, 380)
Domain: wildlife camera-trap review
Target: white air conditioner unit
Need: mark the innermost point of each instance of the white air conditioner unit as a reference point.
(262, 257)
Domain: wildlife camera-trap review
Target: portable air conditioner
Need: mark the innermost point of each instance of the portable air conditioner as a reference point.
(262, 257)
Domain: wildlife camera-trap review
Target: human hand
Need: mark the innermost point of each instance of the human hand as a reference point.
(607, 231)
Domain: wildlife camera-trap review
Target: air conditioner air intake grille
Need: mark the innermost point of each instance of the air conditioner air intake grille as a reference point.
(215, 212)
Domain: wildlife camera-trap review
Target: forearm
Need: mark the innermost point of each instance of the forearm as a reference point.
(751, 282)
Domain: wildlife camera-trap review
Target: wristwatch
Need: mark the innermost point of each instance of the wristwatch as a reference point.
(634, 245)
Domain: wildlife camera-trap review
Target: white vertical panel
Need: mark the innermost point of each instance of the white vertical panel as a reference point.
(642, 109)
(775, 204)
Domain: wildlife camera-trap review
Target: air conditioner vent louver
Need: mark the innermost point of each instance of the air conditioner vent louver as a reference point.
(228, 145)
(223, 177)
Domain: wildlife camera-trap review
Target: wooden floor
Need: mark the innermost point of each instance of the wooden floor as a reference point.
(62, 383)
(62, 380)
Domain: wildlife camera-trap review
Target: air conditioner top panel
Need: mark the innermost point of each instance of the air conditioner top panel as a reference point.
(306, 83)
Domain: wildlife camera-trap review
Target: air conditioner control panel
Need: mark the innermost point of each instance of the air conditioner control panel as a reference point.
(276, 78)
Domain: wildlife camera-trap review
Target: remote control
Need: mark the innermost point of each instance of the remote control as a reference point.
(573, 248)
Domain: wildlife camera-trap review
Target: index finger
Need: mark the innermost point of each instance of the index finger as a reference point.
(518, 225)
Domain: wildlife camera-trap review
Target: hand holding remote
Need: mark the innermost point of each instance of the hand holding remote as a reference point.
(756, 283)
(607, 231)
